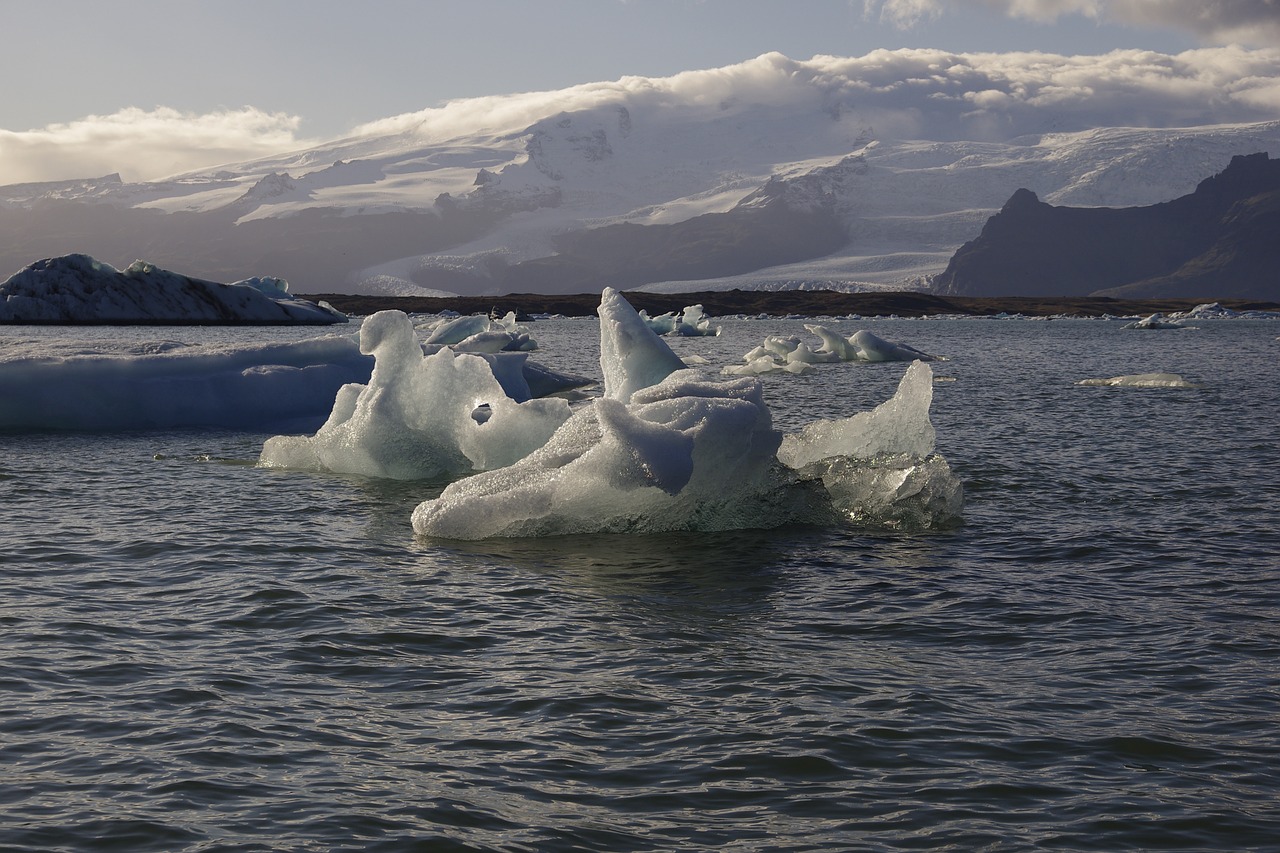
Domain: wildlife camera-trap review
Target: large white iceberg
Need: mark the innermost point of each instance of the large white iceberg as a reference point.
(667, 449)
(168, 384)
(420, 416)
(80, 289)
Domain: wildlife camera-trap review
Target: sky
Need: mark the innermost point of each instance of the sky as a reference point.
(150, 88)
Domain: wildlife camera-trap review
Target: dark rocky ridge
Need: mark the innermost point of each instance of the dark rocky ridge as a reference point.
(778, 303)
(1218, 242)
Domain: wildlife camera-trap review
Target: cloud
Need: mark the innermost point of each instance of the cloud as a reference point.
(1251, 22)
(904, 94)
(912, 93)
(976, 96)
(144, 144)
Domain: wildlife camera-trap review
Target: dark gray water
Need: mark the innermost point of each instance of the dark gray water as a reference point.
(197, 654)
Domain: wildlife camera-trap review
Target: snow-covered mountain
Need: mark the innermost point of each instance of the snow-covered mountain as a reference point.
(771, 174)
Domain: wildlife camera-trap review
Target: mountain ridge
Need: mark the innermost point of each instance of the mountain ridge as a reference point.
(1218, 241)
(654, 183)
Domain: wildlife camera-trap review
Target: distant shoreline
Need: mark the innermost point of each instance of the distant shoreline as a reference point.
(781, 303)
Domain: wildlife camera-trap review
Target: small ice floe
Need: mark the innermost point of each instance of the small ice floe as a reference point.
(777, 354)
(691, 322)
(1141, 380)
(1155, 321)
(480, 333)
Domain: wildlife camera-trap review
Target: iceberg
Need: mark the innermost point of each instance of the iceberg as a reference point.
(691, 322)
(790, 354)
(1141, 380)
(667, 449)
(77, 289)
(420, 416)
(168, 384)
(632, 356)
(1155, 321)
(481, 334)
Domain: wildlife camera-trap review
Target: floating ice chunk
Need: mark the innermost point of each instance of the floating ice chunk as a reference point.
(632, 356)
(455, 330)
(686, 454)
(833, 343)
(872, 348)
(480, 333)
(900, 425)
(1142, 380)
(691, 322)
(416, 416)
(690, 453)
(761, 365)
(163, 385)
(1155, 321)
(785, 352)
(498, 340)
(879, 467)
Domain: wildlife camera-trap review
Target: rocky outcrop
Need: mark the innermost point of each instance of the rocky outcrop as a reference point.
(1218, 242)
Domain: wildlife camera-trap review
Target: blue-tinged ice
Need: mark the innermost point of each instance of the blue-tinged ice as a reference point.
(690, 322)
(684, 452)
(68, 385)
(420, 416)
(632, 356)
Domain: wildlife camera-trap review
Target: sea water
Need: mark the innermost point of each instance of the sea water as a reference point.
(200, 654)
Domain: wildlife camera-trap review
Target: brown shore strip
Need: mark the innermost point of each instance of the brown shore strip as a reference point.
(781, 303)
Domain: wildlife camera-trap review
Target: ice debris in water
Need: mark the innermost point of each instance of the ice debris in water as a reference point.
(418, 415)
(790, 354)
(691, 322)
(668, 449)
(480, 333)
(1155, 321)
(1141, 380)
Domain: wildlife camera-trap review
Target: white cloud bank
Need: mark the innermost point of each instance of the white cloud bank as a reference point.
(916, 93)
(1251, 22)
(144, 144)
(904, 94)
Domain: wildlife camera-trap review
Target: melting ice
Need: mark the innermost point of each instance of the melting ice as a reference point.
(790, 354)
(668, 449)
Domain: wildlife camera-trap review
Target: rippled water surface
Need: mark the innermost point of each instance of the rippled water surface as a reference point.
(198, 654)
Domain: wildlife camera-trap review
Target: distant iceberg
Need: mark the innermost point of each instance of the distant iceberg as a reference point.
(77, 289)
(690, 322)
(1155, 321)
(1141, 380)
(790, 354)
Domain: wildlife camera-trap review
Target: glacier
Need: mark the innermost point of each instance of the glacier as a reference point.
(530, 169)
